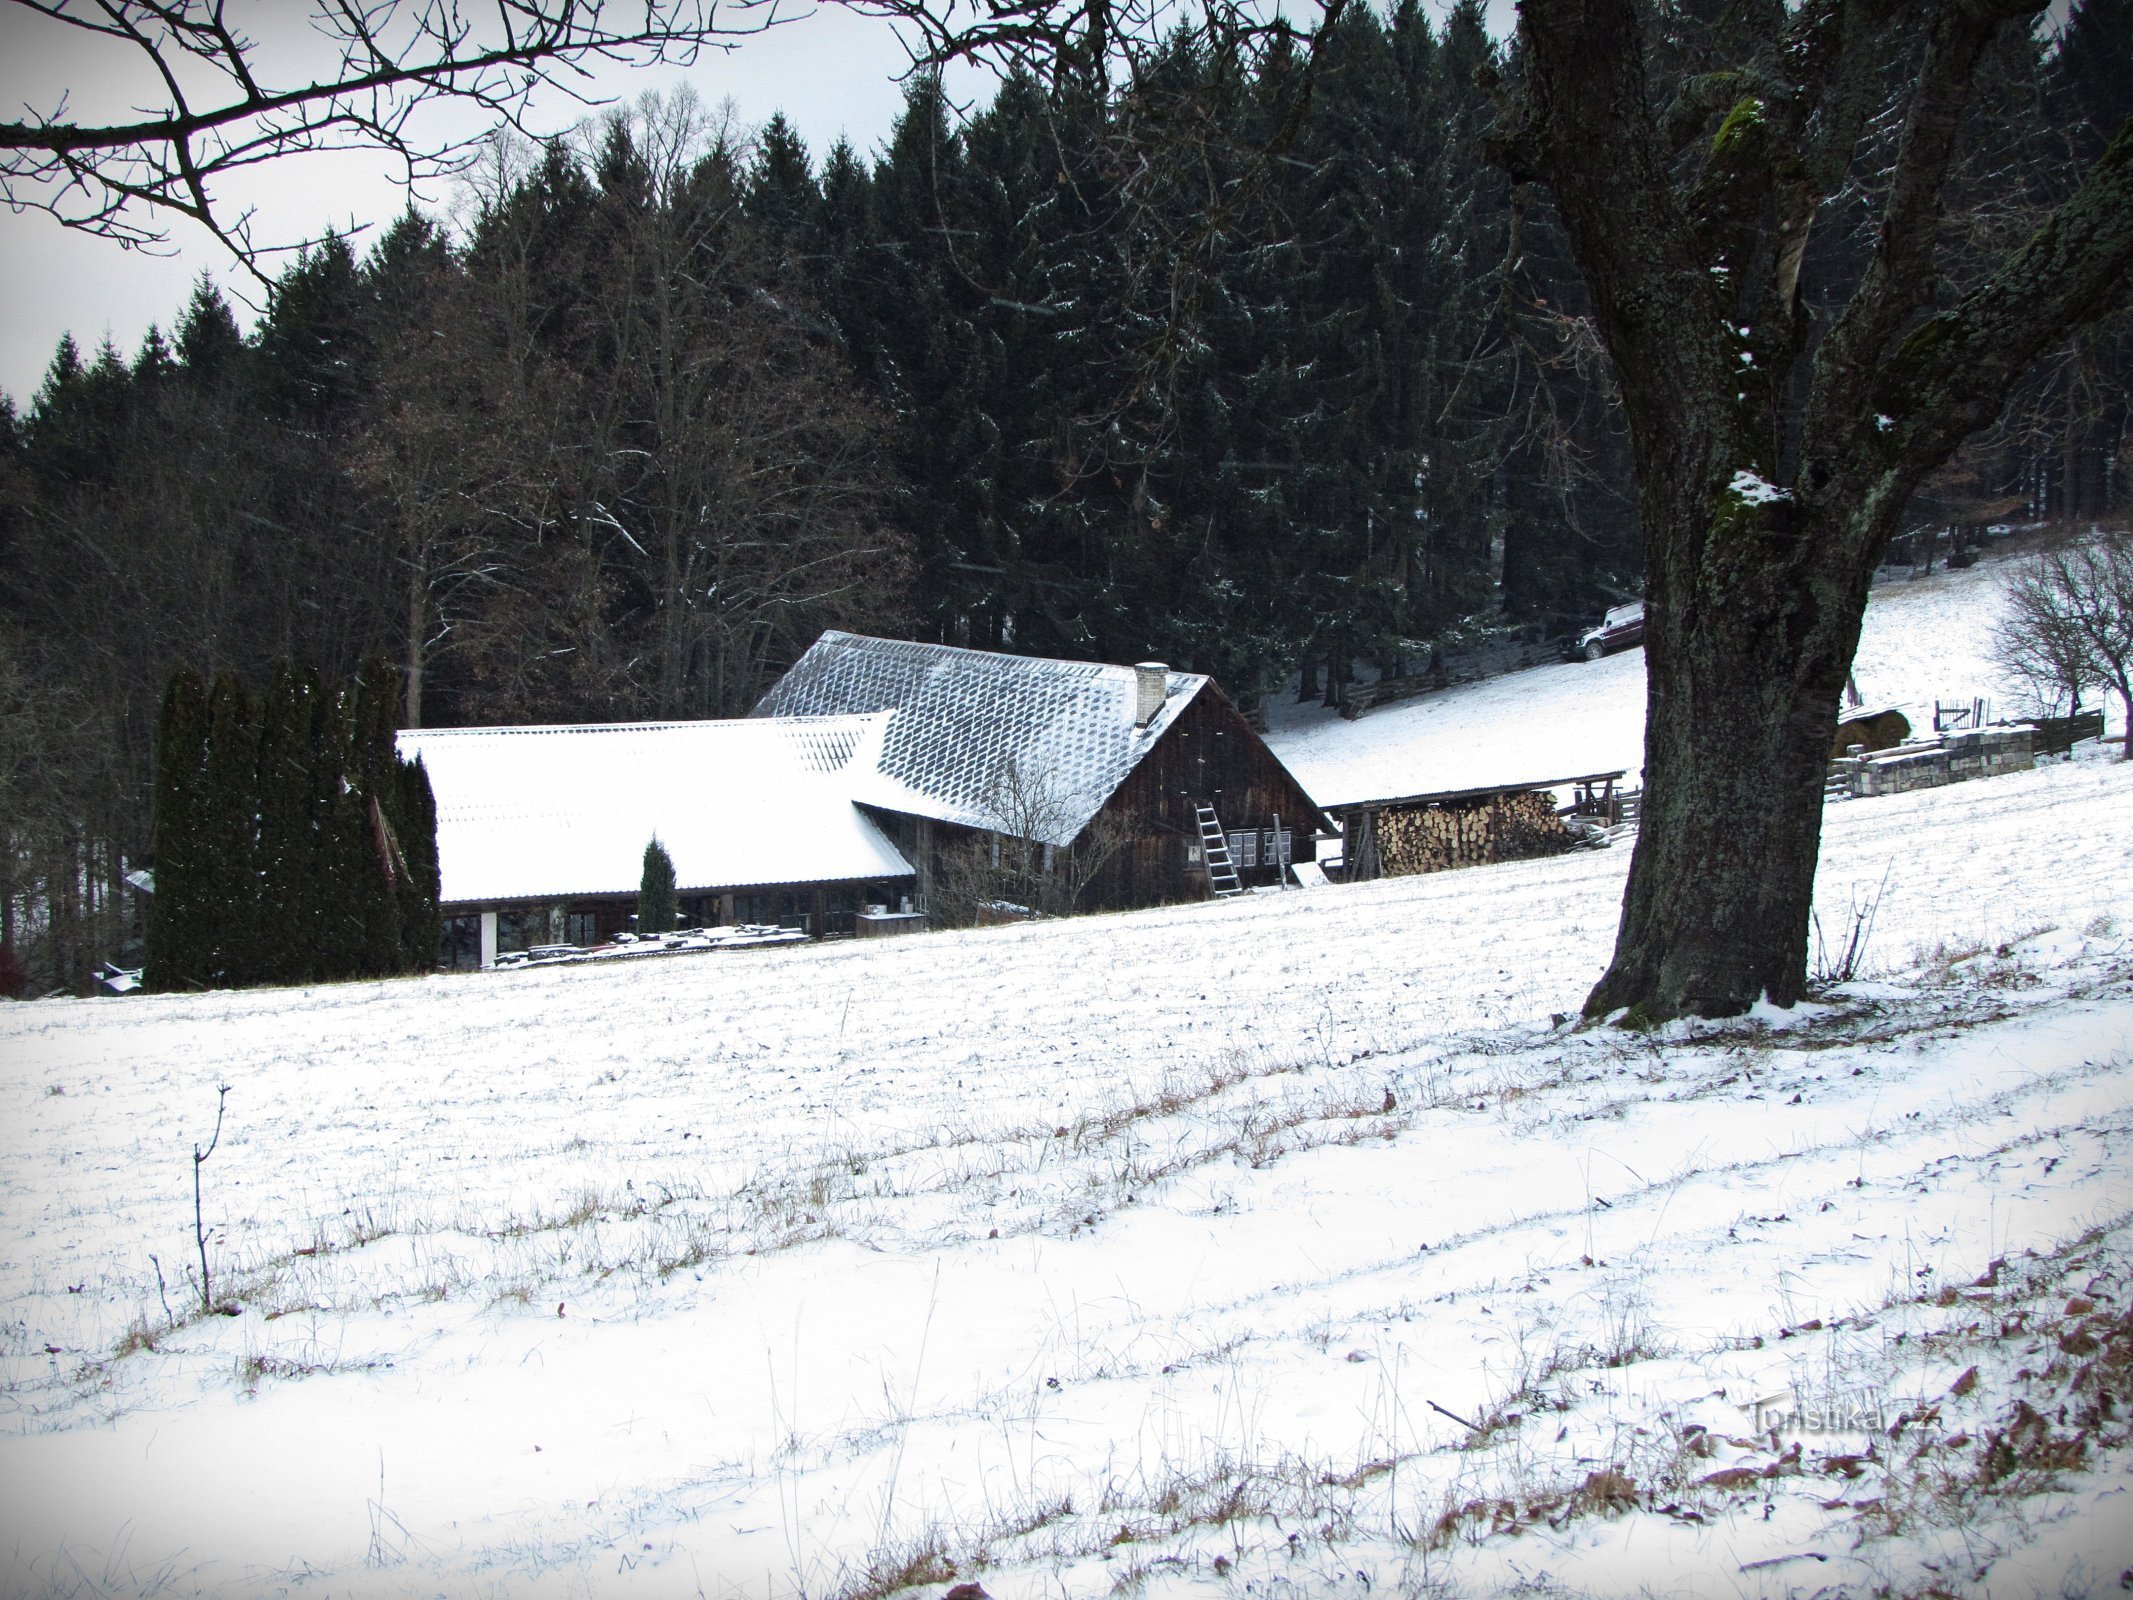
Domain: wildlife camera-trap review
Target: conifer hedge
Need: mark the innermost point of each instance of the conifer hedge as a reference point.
(177, 942)
(292, 844)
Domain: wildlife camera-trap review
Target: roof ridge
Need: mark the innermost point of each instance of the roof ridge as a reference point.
(492, 730)
(841, 635)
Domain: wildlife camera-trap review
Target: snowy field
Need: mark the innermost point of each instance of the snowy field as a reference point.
(1292, 1245)
(1925, 639)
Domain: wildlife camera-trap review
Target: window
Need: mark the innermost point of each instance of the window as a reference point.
(522, 930)
(1244, 850)
(459, 948)
(1276, 849)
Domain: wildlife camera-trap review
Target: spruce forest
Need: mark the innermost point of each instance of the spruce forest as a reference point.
(1253, 363)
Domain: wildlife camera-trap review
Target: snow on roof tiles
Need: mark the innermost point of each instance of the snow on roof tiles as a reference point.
(963, 720)
(545, 813)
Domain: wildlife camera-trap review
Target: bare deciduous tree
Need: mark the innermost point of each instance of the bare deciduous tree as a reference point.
(234, 87)
(354, 74)
(1018, 863)
(450, 451)
(742, 464)
(2069, 623)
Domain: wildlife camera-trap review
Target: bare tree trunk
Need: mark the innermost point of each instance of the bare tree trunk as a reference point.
(417, 620)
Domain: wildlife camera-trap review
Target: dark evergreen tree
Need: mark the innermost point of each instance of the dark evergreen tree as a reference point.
(1469, 383)
(312, 347)
(656, 909)
(153, 365)
(76, 419)
(375, 794)
(847, 238)
(2094, 69)
(344, 856)
(2091, 79)
(230, 835)
(177, 955)
(782, 201)
(287, 917)
(421, 923)
(913, 307)
(209, 343)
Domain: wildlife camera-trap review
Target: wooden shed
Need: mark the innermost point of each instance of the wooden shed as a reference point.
(1399, 835)
(541, 831)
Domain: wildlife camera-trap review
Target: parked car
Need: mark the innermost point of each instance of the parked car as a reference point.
(1622, 627)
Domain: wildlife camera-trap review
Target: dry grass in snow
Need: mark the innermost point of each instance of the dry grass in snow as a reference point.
(1155, 1251)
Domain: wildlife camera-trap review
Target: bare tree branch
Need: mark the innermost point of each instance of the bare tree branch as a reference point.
(372, 67)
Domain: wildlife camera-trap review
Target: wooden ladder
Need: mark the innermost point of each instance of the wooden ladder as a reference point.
(1214, 853)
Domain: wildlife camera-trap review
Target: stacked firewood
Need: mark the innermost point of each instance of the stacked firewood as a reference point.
(1506, 827)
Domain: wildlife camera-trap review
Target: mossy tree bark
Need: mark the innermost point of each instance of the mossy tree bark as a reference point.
(1775, 449)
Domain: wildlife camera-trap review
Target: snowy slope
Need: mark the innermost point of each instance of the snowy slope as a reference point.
(1924, 640)
(1160, 1249)
(637, 1280)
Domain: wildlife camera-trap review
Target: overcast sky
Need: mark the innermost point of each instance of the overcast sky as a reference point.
(834, 73)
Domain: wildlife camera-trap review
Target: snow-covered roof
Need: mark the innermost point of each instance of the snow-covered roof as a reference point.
(1923, 640)
(545, 813)
(967, 723)
(1523, 729)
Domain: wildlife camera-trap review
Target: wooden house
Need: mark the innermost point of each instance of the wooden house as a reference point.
(1138, 785)
(879, 780)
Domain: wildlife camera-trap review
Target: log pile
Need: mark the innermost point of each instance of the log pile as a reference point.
(1505, 827)
(1879, 730)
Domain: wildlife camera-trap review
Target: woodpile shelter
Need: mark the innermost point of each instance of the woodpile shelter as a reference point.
(878, 781)
(1396, 836)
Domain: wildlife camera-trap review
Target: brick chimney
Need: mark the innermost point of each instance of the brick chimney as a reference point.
(1151, 682)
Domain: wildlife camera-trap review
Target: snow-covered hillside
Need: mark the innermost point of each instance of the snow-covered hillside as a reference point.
(1925, 639)
(1296, 1244)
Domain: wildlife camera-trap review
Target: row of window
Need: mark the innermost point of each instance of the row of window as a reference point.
(1262, 847)
(588, 925)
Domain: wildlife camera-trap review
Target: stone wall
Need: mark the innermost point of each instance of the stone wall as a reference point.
(1957, 758)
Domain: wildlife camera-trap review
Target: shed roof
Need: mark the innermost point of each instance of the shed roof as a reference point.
(1013, 743)
(546, 813)
(1488, 791)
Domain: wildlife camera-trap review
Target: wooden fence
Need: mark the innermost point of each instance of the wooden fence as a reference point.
(2057, 736)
